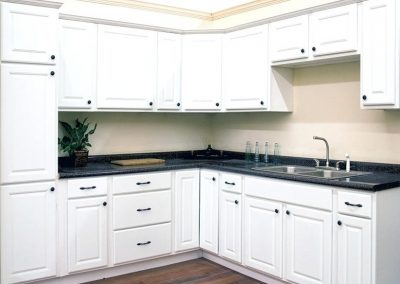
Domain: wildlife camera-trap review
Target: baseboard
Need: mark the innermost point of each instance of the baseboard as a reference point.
(243, 270)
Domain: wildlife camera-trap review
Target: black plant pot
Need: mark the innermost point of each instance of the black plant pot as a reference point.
(80, 158)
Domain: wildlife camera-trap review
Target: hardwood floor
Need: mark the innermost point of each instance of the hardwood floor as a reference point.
(190, 272)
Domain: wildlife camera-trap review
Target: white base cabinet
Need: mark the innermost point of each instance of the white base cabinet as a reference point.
(28, 232)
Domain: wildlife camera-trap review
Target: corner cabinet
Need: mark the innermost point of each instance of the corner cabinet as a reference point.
(28, 232)
(127, 68)
(243, 51)
(201, 72)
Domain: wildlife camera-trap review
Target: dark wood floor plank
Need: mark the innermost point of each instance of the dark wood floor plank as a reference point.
(198, 271)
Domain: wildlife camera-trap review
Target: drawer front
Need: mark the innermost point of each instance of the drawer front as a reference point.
(141, 182)
(139, 243)
(141, 209)
(84, 187)
(231, 182)
(357, 204)
(310, 195)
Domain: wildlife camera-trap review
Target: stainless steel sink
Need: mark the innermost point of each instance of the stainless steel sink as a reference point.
(330, 174)
(286, 169)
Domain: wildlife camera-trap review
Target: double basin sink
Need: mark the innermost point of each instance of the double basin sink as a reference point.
(310, 172)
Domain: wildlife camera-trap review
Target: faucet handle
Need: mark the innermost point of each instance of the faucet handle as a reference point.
(316, 163)
(338, 164)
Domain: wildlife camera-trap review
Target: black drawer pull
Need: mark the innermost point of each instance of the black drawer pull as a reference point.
(142, 183)
(354, 205)
(230, 183)
(143, 244)
(88, 187)
(145, 209)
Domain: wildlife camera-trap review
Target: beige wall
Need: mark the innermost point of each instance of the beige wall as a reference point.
(145, 132)
(326, 103)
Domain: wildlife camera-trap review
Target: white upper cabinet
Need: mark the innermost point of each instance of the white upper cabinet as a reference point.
(380, 54)
(334, 30)
(28, 33)
(245, 69)
(77, 64)
(201, 72)
(28, 123)
(289, 39)
(209, 211)
(127, 68)
(28, 232)
(169, 71)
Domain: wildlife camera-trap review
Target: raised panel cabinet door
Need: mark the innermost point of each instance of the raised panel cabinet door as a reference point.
(169, 71)
(87, 233)
(289, 39)
(127, 68)
(334, 30)
(28, 33)
(263, 235)
(209, 211)
(28, 232)
(201, 72)
(187, 195)
(378, 57)
(354, 250)
(230, 235)
(245, 69)
(77, 64)
(28, 123)
(308, 245)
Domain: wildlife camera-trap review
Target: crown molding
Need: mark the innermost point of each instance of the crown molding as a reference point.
(41, 3)
(257, 4)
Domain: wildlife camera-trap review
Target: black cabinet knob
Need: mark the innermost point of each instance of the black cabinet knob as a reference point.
(287, 212)
(178, 104)
(302, 50)
(52, 189)
(364, 97)
(89, 102)
(236, 201)
(217, 104)
(313, 48)
(339, 223)
(214, 179)
(276, 211)
(262, 103)
(150, 103)
(53, 57)
(52, 73)
(104, 203)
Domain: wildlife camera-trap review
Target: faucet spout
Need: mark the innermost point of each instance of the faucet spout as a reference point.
(327, 148)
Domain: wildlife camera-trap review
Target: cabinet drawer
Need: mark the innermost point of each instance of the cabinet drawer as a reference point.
(141, 209)
(357, 204)
(85, 187)
(141, 182)
(139, 243)
(231, 182)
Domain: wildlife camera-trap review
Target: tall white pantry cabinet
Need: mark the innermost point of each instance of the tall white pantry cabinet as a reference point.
(28, 152)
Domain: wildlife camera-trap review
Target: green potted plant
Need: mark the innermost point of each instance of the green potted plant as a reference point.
(76, 141)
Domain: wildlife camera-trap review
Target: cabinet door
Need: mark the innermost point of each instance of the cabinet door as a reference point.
(308, 245)
(28, 232)
(28, 123)
(354, 248)
(230, 241)
(87, 233)
(169, 71)
(334, 30)
(187, 197)
(378, 57)
(246, 50)
(28, 33)
(289, 39)
(127, 68)
(263, 235)
(201, 72)
(78, 45)
(209, 211)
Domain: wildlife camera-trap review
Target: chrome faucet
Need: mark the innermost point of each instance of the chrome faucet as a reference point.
(327, 148)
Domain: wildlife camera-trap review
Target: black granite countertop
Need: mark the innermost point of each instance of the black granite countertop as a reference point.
(382, 176)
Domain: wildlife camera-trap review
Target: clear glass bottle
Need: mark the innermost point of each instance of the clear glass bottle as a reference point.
(266, 153)
(257, 153)
(247, 153)
(276, 153)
